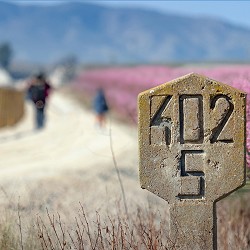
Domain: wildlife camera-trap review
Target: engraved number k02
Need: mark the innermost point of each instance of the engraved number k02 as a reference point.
(191, 119)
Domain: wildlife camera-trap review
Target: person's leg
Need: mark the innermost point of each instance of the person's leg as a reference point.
(100, 119)
(37, 118)
(40, 118)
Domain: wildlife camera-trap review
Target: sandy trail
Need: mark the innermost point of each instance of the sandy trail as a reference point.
(69, 141)
(68, 162)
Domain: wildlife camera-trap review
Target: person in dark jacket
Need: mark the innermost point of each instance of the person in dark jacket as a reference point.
(100, 107)
(38, 92)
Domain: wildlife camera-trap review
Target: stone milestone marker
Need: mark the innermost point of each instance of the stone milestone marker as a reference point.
(192, 152)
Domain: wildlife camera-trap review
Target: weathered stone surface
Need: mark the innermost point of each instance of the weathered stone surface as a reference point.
(192, 152)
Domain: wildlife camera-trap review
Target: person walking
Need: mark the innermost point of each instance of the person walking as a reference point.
(100, 107)
(38, 92)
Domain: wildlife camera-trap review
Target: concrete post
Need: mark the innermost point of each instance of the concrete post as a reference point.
(192, 152)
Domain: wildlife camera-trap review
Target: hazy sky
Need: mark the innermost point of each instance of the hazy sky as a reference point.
(237, 12)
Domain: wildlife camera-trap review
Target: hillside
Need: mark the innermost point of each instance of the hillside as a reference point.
(97, 34)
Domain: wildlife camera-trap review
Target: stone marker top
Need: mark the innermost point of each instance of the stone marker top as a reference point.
(192, 139)
(192, 78)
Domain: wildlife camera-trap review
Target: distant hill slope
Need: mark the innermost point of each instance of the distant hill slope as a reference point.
(99, 34)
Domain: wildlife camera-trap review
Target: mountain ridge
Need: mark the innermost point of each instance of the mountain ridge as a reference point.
(97, 34)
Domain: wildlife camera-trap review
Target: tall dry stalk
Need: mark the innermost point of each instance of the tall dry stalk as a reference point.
(117, 172)
(20, 223)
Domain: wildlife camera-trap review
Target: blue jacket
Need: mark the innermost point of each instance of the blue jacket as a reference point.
(100, 104)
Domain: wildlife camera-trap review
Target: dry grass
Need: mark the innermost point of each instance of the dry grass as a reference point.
(146, 228)
(142, 231)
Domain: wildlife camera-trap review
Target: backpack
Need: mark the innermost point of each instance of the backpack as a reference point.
(37, 94)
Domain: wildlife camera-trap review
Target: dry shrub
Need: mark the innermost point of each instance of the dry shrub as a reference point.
(144, 229)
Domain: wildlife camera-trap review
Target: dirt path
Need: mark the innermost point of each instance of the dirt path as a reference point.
(69, 141)
(68, 162)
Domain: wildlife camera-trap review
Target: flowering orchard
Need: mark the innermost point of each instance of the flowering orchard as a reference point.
(123, 84)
